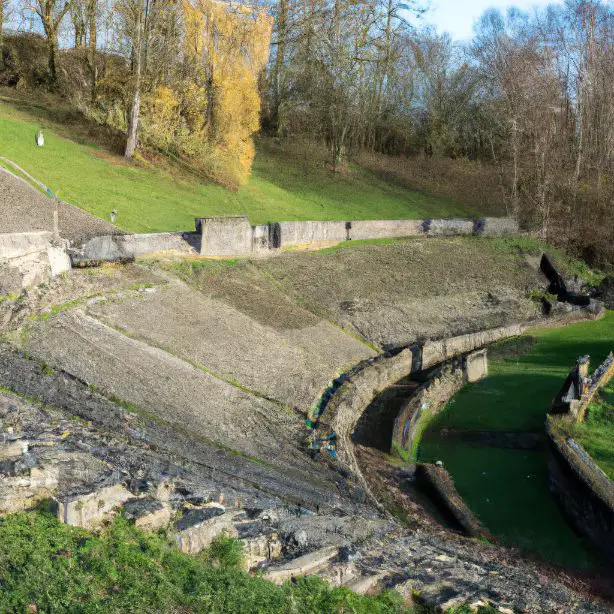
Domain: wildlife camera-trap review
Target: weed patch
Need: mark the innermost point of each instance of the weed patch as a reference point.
(59, 568)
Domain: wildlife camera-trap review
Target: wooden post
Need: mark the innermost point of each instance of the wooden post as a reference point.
(56, 221)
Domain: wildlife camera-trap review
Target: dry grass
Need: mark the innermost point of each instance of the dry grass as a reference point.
(462, 180)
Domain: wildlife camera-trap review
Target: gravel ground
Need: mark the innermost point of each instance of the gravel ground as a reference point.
(395, 294)
(24, 209)
(290, 365)
(162, 385)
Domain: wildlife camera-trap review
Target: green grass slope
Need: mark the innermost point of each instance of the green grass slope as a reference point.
(50, 567)
(286, 184)
(596, 434)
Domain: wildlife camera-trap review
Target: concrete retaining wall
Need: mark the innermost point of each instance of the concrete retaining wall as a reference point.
(118, 248)
(582, 489)
(425, 403)
(235, 236)
(18, 244)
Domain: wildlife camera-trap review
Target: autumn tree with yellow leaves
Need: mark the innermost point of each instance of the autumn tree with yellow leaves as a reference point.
(194, 85)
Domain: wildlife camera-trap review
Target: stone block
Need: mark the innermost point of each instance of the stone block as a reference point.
(500, 226)
(476, 365)
(297, 234)
(261, 548)
(91, 509)
(365, 584)
(197, 528)
(59, 260)
(13, 448)
(303, 565)
(148, 514)
(225, 236)
(381, 229)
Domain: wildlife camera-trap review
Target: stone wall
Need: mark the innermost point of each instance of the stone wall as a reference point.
(124, 248)
(581, 488)
(347, 403)
(18, 244)
(425, 403)
(29, 258)
(334, 420)
(235, 236)
(224, 237)
(434, 394)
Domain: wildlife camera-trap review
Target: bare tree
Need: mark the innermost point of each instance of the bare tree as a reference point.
(51, 14)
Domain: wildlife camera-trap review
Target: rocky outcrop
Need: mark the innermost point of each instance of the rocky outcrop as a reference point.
(30, 258)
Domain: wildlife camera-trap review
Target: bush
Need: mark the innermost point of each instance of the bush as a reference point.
(24, 61)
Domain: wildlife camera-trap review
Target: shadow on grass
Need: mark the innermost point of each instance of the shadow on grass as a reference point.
(50, 111)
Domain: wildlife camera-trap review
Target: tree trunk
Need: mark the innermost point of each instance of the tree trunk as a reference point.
(92, 43)
(135, 111)
(278, 80)
(1, 24)
(515, 156)
(52, 44)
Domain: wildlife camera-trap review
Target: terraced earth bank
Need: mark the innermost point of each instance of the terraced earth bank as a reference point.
(189, 382)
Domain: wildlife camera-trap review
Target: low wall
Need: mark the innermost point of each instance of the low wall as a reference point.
(347, 403)
(235, 236)
(18, 244)
(434, 394)
(124, 248)
(581, 488)
(425, 403)
(439, 486)
(224, 237)
(334, 417)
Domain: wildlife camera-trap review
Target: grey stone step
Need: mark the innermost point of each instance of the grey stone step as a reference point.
(303, 565)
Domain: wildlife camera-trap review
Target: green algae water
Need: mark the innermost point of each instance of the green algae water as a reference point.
(507, 488)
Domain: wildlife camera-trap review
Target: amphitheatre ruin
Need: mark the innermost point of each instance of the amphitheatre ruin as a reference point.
(273, 383)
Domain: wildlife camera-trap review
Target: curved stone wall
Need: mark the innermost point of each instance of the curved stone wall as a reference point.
(347, 403)
(336, 415)
(425, 403)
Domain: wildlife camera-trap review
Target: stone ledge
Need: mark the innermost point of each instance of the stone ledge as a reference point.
(301, 566)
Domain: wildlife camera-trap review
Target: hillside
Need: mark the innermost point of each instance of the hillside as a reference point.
(80, 162)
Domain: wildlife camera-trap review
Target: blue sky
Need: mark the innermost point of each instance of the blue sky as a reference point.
(458, 16)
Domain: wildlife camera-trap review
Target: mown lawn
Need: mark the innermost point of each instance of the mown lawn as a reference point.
(596, 434)
(507, 488)
(520, 388)
(285, 185)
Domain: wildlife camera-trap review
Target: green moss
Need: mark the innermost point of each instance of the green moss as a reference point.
(45, 368)
(8, 297)
(402, 453)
